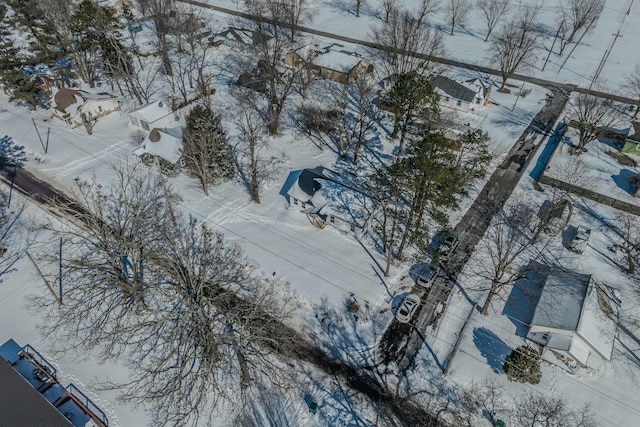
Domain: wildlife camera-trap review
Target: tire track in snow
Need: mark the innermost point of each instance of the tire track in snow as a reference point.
(83, 162)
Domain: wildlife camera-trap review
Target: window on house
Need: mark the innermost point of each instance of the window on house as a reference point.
(303, 205)
(100, 108)
(478, 100)
(295, 201)
(459, 103)
(446, 99)
(332, 218)
(144, 124)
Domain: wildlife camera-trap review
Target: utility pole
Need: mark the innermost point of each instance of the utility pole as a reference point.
(60, 273)
(604, 58)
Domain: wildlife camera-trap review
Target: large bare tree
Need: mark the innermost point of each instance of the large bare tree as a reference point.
(367, 112)
(403, 33)
(629, 230)
(513, 48)
(276, 39)
(580, 13)
(457, 12)
(186, 310)
(592, 117)
(492, 12)
(251, 130)
(509, 242)
(158, 12)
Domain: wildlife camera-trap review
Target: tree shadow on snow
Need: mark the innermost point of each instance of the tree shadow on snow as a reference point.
(491, 347)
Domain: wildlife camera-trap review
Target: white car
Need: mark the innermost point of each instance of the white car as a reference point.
(580, 239)
(407, 308)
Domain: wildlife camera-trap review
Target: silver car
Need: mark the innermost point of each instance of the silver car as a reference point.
(427, 275)
(407, 308)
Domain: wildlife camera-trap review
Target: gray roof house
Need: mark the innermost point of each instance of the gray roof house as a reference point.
(576, 319)
(469, 95)
(317, 192)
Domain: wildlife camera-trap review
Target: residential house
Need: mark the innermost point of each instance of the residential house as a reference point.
(32, 393)
(77, 107)
(317, 192)
(235, 37)
(162, 147)
(465, 96)
(575, 320)
(331, 62)
(154, 115)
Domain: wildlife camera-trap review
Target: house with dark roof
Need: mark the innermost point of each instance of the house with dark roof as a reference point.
(77, 107)
(319, 193)
(575, 320)
(470, 95)
(234, 37)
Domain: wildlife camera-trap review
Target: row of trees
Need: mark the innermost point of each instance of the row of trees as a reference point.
(166, 294)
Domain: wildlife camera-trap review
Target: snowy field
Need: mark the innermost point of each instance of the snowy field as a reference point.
(329, 267)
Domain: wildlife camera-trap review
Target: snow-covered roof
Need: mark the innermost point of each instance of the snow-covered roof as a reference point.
(153, 112)
(575, 302)
(69, 100)
(337, 60)
(168, 146)
(239, 35)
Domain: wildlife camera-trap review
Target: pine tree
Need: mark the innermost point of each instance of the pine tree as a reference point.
(422, 186)
(523, 365)
(205, 150)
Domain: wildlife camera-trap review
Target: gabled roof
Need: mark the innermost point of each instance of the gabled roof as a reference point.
(168, 146)
(338, 60)
(452, 88)
(302, 185)
(65, 97)
(153, 112)
(577, 303)
(240, 35)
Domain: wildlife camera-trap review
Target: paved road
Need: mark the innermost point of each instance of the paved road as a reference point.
(355, 378)
(441, 60)
(402, 343)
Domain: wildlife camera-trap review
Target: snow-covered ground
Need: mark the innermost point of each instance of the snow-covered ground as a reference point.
(329, 267)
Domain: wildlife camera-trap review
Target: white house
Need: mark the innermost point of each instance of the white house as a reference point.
(465, 96)
(151, 116)
(319, 193)
(576, 319)
(163, 147)
(77, 107)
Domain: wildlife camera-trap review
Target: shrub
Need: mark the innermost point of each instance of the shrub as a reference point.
(523, 365)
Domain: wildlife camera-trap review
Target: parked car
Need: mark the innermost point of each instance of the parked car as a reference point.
(427, 275)
(580, 239)
(407, 308)
(448, 245)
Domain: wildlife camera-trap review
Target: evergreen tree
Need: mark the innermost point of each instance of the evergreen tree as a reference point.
(411, 96)
(523, 365)
(422, 186)
(473, 154)
(10, 153)
(205, 150)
